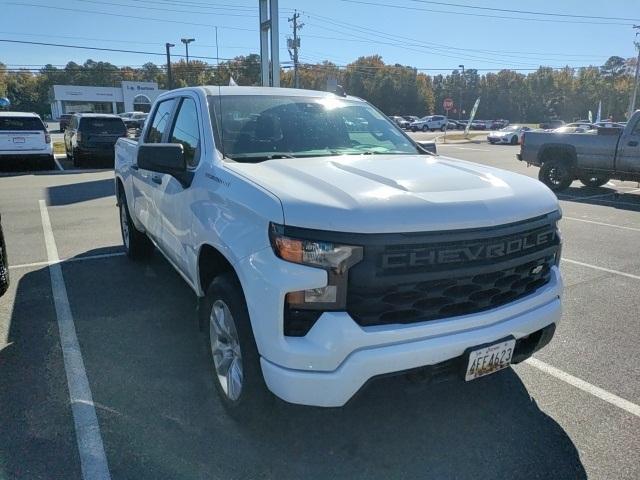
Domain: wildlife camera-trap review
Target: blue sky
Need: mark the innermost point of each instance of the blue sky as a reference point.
(421, 34)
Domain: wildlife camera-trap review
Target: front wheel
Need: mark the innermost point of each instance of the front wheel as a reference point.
(443, 128)
(136, 244)
(514, 140)
(425, 128)
(236, 370)
(556, 175)
(594, 181)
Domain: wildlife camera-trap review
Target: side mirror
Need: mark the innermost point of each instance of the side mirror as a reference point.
(165, 158)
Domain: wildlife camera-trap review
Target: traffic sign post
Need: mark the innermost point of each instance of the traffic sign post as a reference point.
(447, 104)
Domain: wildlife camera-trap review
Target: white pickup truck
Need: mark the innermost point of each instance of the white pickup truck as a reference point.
(324, 256)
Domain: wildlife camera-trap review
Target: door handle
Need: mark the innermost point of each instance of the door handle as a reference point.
(156, 179)
(134, 167)
(633, 143)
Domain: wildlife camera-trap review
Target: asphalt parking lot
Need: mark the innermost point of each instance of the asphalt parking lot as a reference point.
(571, 413)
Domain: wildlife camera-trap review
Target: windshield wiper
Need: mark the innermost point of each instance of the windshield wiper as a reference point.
(259, 158)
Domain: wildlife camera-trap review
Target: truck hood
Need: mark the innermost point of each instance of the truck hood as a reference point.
(397, 193)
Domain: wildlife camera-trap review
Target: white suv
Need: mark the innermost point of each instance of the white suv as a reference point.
(24, 136)
(430, 123)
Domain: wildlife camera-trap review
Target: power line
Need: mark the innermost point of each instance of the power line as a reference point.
(530, 19)
(76, 10)
(529, 12)
(170, 9)
(500, 53)
(83, 47)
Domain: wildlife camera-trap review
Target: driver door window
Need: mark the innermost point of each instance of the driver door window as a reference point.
(160, 121)
(186, 131)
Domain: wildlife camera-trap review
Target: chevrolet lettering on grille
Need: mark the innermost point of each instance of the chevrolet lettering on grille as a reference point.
(429, 256)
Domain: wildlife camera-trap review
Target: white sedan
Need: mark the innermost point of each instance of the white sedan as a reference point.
(511, 134)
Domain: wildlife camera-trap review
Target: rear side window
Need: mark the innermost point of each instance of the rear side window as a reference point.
(186, 131)
(20, 124)
(160, 121)
(107, 126)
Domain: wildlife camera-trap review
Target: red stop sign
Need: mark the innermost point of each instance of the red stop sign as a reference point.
(447, 103)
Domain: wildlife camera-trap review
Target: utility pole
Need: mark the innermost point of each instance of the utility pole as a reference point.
(632, 102)
(186, 42)
(460, 104)
(294, 44)
(169, 76)
(269, 37)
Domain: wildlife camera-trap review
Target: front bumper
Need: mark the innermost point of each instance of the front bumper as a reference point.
(337, 357)
(334, 389)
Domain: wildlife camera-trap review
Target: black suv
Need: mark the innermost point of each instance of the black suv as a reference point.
(91, 137)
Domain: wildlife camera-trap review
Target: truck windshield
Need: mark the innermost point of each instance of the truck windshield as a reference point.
(254, 128)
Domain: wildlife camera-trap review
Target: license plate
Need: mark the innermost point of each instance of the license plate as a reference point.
(489, 359)
(18, 139)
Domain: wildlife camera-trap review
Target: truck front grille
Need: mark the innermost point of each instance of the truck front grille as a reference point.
(429, 276)
(447, 296)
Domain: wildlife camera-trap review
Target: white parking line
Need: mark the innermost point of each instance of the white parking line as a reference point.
(602, 394)
(93, 460)
(466, 148)
(608, 270)
(58, 164)
(67, 260)
(602, 223)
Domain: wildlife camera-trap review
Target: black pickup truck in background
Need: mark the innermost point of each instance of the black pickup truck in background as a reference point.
(593, 158)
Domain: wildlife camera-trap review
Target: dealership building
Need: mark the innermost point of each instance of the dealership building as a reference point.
(129, 97)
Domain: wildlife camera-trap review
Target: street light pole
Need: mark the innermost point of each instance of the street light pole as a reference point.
(186, 42)
(460, 103)
(632, 101)
(169, 76)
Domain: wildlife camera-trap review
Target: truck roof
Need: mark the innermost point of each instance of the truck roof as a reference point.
(273, 91)
(19, 114)
(96, 115)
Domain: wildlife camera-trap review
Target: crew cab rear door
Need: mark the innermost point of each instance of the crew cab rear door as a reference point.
(146, 183)
(628, 156)
(175, 199)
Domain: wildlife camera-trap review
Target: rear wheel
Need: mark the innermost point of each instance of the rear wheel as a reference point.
(594, 180)
(236, 370)
(556, 175)
(136, 244)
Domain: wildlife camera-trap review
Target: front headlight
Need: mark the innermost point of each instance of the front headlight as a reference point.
(336, 259)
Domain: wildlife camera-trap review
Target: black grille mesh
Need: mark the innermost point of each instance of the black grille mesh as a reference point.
(447, 297)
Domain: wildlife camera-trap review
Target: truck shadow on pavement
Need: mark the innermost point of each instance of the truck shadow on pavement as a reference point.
(603, 196)
(78, 192)
(153, 390)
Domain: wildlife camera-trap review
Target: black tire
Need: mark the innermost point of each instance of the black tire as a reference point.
(253, 395)
(443, 128)
(594, 180)
(556, 175)
(75, 158)
(137, 245)
(425, 128)
(514, 140)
